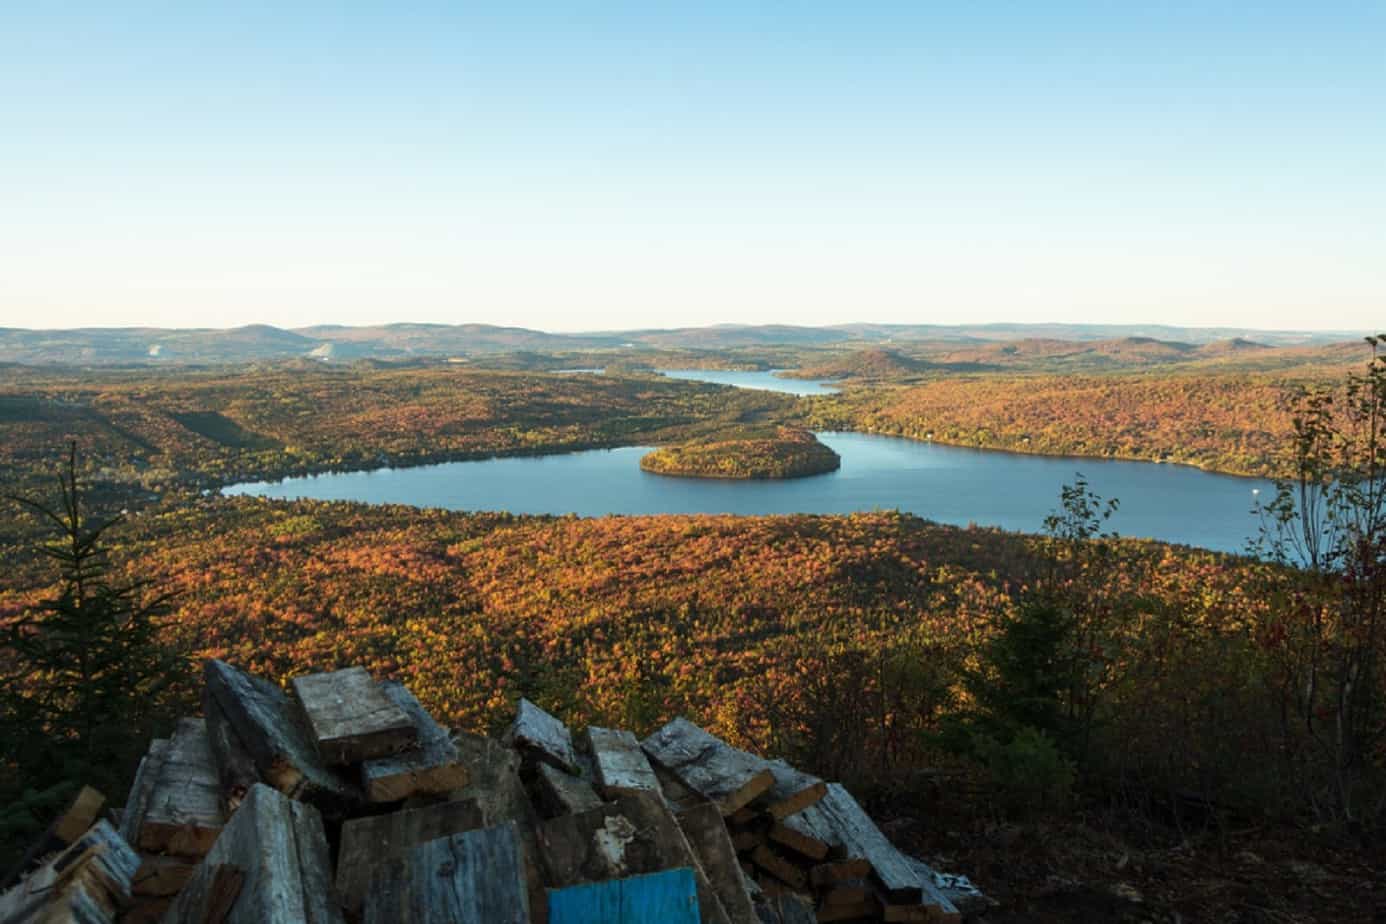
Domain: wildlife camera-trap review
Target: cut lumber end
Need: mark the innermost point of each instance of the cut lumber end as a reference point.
(433, 765)
(350, 717)
(540, 737)
(620, 765)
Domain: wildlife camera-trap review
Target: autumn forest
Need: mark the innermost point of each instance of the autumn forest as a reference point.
(1041, 674)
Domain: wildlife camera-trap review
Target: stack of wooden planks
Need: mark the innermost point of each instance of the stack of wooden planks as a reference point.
(340, 799)
(172, 816)
(795, 834)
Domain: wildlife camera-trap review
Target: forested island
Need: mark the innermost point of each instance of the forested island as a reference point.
(789, 453)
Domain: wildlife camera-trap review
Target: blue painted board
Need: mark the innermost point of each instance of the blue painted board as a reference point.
(667, 897)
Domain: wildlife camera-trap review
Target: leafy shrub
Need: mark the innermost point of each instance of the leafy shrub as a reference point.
(1029, 770)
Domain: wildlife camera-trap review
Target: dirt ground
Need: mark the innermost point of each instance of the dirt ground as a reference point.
(1098, 865)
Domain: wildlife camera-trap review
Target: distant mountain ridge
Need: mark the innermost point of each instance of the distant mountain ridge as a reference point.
(260, 342)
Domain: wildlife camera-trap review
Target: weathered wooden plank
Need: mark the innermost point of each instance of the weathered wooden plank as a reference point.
(162, 876)
(867, 907)
(826, 875)
(350, 718)
(791, 908)
(669, 897)
(933, 912)
(236, 770)
(375, 839)
(539, 736)
(746, 815)
(838, 820)
(848, 893)
(473, 876)
(706, 833)
(777, 866)
(793, 790)
(802, 844)
(183, 813)
(137, 802)
(499, 793)
(432, 765)
(87, 883)
(79, 815)
(562, 793)
(495, 784)
(745, 841)
(283, 751)
(146, 909)
(279, 847)
(675, 793)
(814, 822)
(634, 834)
(620, 765)
(706, 764)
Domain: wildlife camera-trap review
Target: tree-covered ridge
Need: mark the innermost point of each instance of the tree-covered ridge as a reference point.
(217, 426)
(788, 453)
(1230, 423)
(151, 429)
(823, 638)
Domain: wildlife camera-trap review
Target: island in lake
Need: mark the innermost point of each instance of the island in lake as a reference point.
(785, 453)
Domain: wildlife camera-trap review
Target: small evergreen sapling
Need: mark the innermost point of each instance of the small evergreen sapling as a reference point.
(84, 673)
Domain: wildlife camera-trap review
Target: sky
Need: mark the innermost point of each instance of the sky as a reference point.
(584, 166)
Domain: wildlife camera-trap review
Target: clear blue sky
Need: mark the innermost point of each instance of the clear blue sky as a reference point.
(604, 165)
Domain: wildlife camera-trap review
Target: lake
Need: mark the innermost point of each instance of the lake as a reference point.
(757, 381)
(943, 483)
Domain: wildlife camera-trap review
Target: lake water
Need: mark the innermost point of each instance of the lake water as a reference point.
(759, 381)
(944, 483)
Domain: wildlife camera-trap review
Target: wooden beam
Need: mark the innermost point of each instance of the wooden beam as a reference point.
(279, 847)
(432, 766)
(499, 793)
(162, 876)
(706, 764)
(146, 778)
(182, 814)
(350, 718)
(746, 841)
(838, 820)
(283, 752)
(802, 844)
(541, 737)
(88, 882)
(848, 893)
(72, 823)
(867, 907)
(472, 876)
(146, 909)
(777, 866)
(793, 790)
(669, 897)
(744, 816)
(634, 834)
(678, 796)
(375, 839)
(791, 908)
(620, 765)
(236, 771)
(706, 833)
(826, 875)
(562, 793)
